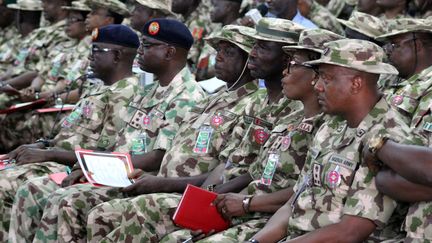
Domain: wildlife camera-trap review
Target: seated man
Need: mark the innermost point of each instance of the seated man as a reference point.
(267, 183)
(335, 198)
(112, 58)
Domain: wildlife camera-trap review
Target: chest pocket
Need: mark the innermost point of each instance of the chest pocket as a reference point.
(93, 115)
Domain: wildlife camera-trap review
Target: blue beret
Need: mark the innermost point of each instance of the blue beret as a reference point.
(116, 34)
(169, 31)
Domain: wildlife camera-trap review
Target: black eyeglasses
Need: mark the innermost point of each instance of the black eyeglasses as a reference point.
(293, 63)
(96, 49)
(390, 47)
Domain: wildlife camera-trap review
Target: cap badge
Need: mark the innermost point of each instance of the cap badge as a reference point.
(154, 28)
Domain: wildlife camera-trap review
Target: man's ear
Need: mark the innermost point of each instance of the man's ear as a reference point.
(357, 84)
(117, 56)
(171, 52)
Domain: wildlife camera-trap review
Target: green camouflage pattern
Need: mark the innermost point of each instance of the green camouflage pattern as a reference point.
(324, 19)
(365, 24)
(335, 6)
(168, 104)
(162, 5)
(26, 5)
(39, 202)
(230, 106)
(313, 40)
(275, 30)
(334, 181)
(164, 107)
(200, 25)
(81, 129)
(78, 5)
(11, 179)
(232, 34)
(96, 115)
(417, 223)
(360, 55)
(407, 99)
(406, 25)
(10, 32)
(36, 47)
(245, 143)
(114, 5)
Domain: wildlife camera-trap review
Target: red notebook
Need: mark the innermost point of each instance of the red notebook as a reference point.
(24, 106)
(196, 212)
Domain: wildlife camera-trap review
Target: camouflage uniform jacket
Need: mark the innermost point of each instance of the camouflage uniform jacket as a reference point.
(35, 48)
(95, 114)
(283, 155)
(206, 131)
(322, 17)
(335, 182)
(75, 64)
(200, 25)
(8, 50)
(252, 133)
(389, 84)
(8, 33)
(406, 99)
(417, 223)
(152, 119)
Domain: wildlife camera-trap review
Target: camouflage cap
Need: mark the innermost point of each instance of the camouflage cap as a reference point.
(365, 24)
(78, 6)
(360, 55)
(162, 5)
(313, 40)
(27, 5)
(232, 34)
(115, 6)
(406, 25)
(277, 30)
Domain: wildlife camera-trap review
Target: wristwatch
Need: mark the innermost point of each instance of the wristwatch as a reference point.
(45, 142)
(375, 143)
(252, 240)
(246, 203)
(37, 95)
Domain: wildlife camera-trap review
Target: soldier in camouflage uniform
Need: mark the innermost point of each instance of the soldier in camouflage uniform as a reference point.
(256, 132)
(407, 46)
(187, 156)
(320, 15)
(24, 127)
(414, 101)
(29, 14)
(144, 10)
(84, 126)
(35, 48)
(335, 194)
(367, 27)
(281, 159)
(150, 122)
(196, 15)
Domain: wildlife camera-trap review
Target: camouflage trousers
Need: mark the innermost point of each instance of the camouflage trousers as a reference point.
(237, 233)
(13, 178)
(145, 218)
(418, 222)
(61, 212)
(148, 218)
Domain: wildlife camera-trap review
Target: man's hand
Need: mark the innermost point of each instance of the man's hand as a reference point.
(144, 185)
(76, 176)
(199, 235)
(230, 205)
(9, 90)
(28, 94)
(14, 154)
(32, 155)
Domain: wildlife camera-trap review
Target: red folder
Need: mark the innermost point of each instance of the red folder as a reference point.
(23, 106)
(196, 211)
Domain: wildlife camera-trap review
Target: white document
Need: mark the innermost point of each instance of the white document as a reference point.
(109, 169)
